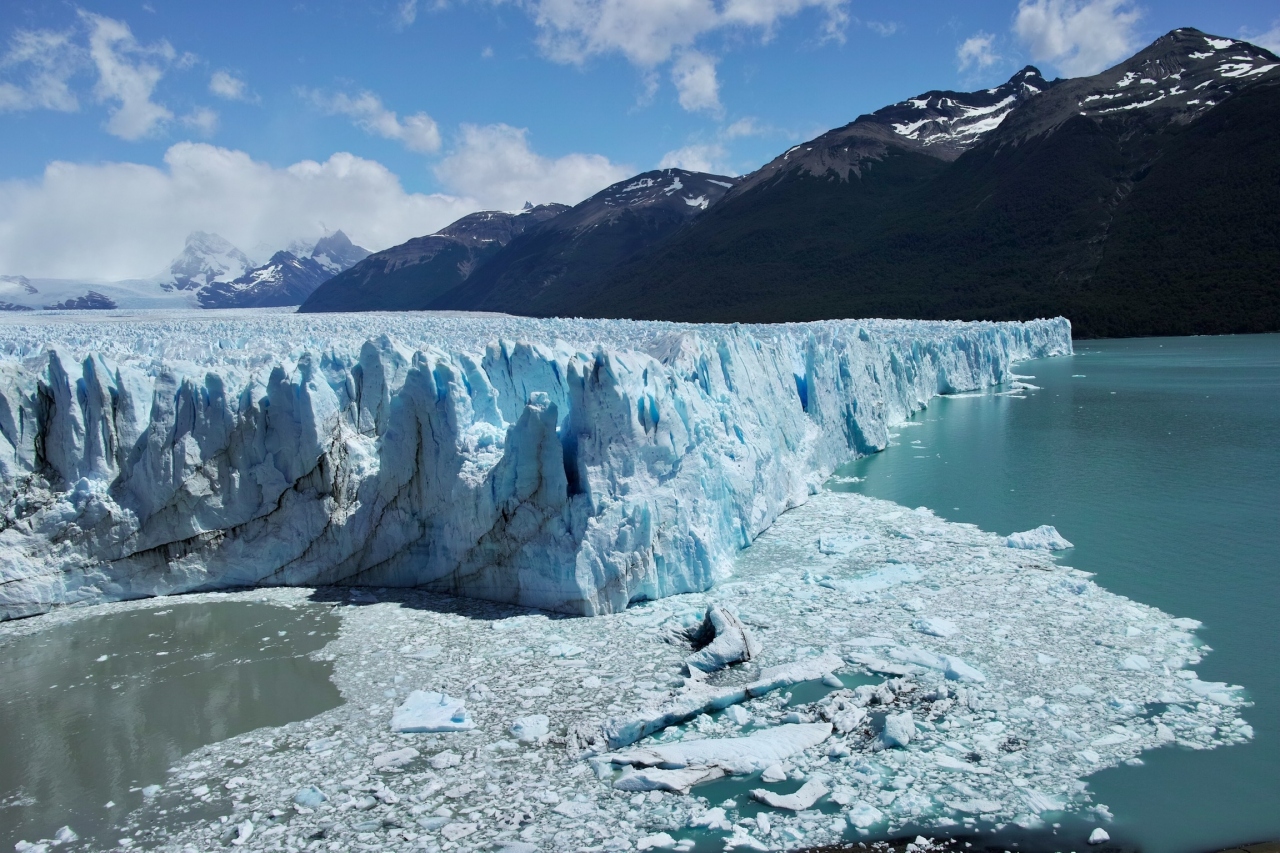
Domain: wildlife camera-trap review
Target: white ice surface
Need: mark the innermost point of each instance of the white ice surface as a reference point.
(1043, 538)
(1056, 704)
(577, 466)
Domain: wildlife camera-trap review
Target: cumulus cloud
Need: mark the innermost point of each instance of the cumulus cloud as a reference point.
(43, 61)
(202, 120)
(127, 220)
(1270, 39)
(650, 33)
(1079, 38)
(707, 157)
(418, 132)
(884, 29)
(694, 75)
(977, 51)
(127, 76)
(229, 87)
(121, 220)
(747, 126)
(496, 165)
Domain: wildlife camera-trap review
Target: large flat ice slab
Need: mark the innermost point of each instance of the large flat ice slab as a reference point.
(576, 466)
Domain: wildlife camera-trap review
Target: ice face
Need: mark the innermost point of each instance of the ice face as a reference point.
(577, 466)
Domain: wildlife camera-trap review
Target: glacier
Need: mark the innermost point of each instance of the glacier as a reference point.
(577, 466)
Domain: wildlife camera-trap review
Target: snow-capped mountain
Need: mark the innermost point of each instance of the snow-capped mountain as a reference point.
(410, 276)
(205, 258)
(287, 278)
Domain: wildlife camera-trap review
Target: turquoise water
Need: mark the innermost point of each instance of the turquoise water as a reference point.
(94, 711)
(1160, 460)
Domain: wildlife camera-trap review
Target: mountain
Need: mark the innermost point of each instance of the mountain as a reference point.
(205, 258)
(1142, 200)
(412, 275)
(287, 278)
(549, 268)
(543, 255)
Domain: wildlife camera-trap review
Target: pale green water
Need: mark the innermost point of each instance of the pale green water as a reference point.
(1162, 465)
(95, 710)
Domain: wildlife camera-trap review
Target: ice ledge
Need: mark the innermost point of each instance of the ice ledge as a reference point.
(576, 466)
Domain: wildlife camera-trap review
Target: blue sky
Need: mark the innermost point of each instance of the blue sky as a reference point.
(125, 124)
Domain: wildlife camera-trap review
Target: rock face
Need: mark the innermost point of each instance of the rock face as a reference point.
(576, 466)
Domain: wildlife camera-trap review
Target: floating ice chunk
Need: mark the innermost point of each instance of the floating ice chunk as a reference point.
(809, 793)
(898, 729)
(975, 806)
(394, 759)
(458, 830)
(875, 581)
(864, 815)
(657, 779)
(958, 670)
(1218, 692)
(947, 762)
(574, 809)
(726, 641)
(309, 797)
(428, 711)
(1043, 538)
(531, 729)
(773, 773)
(323, 744)
(445, 760)
(1099, 836)
(839, 544)
(1136, 663)
(713, 819)
(425, 653)
(658, 840)
(936, 627)
(738, 714)
(65, 835)
(738, 756)
(699, 699)
(151, 791)
(243, 833)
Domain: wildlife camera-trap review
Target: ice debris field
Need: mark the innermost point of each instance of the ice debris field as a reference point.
(892, 670)
(575, 466)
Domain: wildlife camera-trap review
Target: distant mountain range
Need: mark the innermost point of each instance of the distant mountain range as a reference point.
(208, 273)
(1142, 200)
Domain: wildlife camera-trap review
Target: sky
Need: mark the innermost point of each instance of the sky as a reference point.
(126, 125)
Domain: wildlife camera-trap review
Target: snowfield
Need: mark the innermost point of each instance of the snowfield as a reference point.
(575, 466)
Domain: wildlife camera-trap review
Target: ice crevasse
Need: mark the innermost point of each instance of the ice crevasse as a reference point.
(571, 465)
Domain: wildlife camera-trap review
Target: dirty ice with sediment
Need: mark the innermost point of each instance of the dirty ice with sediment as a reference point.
(862, 667)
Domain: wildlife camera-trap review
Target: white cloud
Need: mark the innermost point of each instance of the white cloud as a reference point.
(229, 87)
(50, 59)
(406, 14)
(696, 158)
(1079, 38)
(202, 120)
(977, 51)
(744, 127)
(127, 77)
(649, 33)
(495, 165)
(1270, 39)
(418, 132)
(694, 75)
(121, 220)
(884, 29)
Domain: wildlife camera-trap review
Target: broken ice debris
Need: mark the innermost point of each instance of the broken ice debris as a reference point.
(531, 729)
(397, 758)
(898, 729)
(309, 797)
(936, 627)
(428, 711)
(738, 756)
(1099, 836)
(725, 641)
(657, 779)
(809, 793)
(1043, 538)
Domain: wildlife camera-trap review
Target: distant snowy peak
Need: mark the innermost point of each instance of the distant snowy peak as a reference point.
(205, 258)
(677, 191)
(951, 122)
(286, 279)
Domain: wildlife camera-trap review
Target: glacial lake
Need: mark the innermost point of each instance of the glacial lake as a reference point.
(1160, 460)
(97, 709)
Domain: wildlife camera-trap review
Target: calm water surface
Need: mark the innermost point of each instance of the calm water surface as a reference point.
(93, 711)
(1160, 460)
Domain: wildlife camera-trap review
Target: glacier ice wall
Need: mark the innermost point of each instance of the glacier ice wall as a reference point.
(575, 466)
